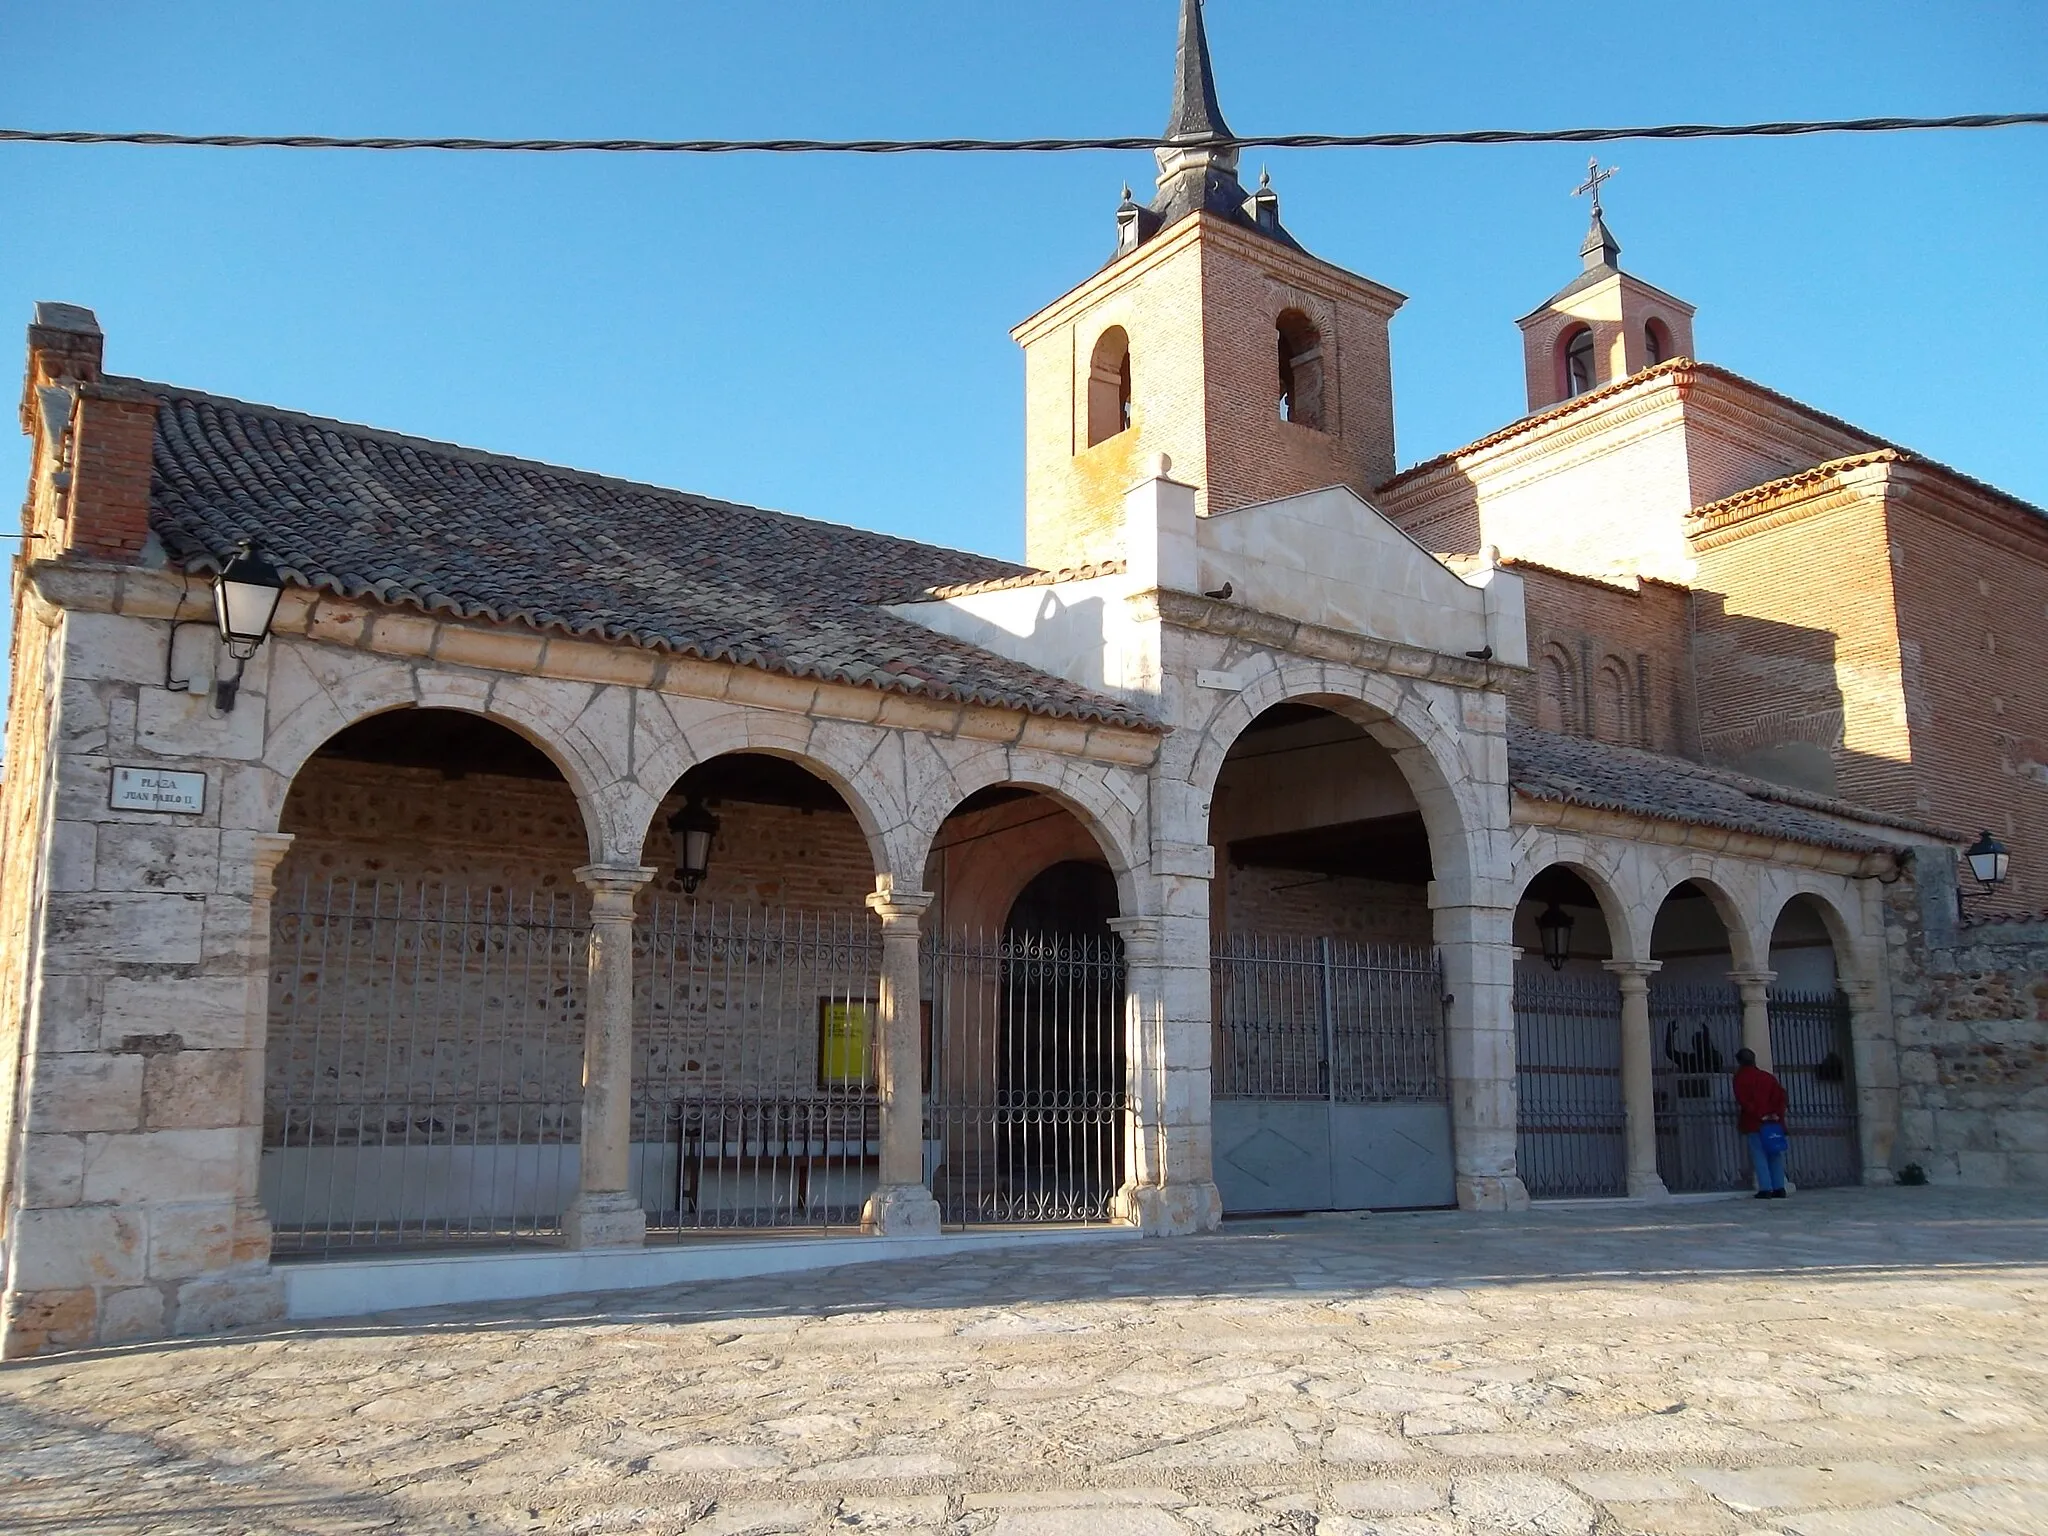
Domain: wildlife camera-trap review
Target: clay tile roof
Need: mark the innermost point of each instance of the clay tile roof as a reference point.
(1031, 579)
(402, 520)
(1570, 770)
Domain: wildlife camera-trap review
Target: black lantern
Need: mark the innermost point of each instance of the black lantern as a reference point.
(1556, 927)
(693, 828)
(245, 595)
(1988, 860)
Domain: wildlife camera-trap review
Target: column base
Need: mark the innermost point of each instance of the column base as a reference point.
(1879, 1178)
(1168, 1210)
(900, 1210)
(605, 1219)
(1492, 1192)
(1647, 1186)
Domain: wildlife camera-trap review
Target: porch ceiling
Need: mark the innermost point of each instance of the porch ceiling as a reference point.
(1391, 848)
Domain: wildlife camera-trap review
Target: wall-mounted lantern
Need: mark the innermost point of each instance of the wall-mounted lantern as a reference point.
(1556, 927)
(1989, 862)
(692, 828)
(245, 598)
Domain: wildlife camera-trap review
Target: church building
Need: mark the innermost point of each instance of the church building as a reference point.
(431, 876)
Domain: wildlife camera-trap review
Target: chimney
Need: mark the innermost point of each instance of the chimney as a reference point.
(90, 486)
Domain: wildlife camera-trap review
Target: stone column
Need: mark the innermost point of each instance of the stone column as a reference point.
(252, 1221)
(606, 1212)
(1876, 1066)
(1755, 987)
(1479, 1049)
(1638, 1089)
(1169, 1185)
(902, 1204)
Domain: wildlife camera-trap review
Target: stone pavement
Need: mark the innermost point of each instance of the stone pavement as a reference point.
(1849, 1363)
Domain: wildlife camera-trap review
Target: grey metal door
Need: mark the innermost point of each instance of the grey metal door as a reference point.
(1570, 1127)
(1811, 1054)
(1328, 1076)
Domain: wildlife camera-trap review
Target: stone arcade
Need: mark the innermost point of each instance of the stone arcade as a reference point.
(1207, 863)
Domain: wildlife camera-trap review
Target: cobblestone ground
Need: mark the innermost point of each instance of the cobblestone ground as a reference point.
(1857, 1363)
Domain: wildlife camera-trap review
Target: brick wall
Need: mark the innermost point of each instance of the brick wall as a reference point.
(1288, 903)
(1800, 677)
(1200, 305)
(1586, 637)
(1972, 590)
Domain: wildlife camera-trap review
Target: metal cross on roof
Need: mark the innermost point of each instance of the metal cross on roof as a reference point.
(1594, 176)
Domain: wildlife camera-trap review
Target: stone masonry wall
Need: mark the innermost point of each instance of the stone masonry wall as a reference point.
(1971, 1000)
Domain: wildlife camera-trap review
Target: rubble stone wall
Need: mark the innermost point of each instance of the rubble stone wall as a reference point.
(1972, 1005)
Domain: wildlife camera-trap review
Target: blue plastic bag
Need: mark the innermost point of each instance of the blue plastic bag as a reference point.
(1773, 1134)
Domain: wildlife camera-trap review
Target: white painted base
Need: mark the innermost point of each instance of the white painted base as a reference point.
(358, 1287)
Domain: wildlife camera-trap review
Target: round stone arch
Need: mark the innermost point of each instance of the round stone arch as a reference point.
(293, 740)
(1602, 867)
(1726, 884)
(1830, 896)
(844, 760)
(1117, 831)
(1424, 745)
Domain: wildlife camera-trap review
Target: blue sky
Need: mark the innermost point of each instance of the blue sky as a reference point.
(829, 336)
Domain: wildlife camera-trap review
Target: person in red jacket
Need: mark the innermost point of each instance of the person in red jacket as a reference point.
(1761, 1099)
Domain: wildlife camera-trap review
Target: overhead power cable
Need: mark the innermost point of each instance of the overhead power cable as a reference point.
(1026, 146)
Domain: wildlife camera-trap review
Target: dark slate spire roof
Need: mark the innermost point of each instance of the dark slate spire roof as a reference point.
(1197, 116)
(1198, 163)
(413, 523)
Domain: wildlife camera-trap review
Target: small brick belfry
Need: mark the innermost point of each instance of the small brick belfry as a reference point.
(1171, 348)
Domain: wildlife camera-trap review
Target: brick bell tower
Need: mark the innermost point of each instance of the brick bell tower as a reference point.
(1211, 336)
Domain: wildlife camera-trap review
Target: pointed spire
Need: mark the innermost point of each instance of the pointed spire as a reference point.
(1601, 248)
(1197, 116)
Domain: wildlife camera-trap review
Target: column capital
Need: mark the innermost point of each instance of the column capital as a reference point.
(1744, 980)
(266, 852)
(1633, 973)
(613, 886)
(898, 908)
(1861, 993)
(1147, 929)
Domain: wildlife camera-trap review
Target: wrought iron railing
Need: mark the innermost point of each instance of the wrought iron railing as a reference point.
(1571, 1127)
(423, 1073)
(755, 1034)
(1324, 1018)
(1026, 1092)
(1695, 1031)
(1812, 1055)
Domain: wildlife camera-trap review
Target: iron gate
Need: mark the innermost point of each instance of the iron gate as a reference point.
(423, 1072)
(1328, 1085)
(1695, 1032)
(1025, 1077)
(1571, 1128)
(1811, 1051)
(755, 1035)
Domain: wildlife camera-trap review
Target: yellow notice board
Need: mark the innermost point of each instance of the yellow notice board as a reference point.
(846, 1032)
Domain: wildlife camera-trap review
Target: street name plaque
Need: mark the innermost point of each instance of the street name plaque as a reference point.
(158, 789)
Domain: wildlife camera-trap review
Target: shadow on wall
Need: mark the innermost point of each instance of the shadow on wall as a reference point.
(1771, 702)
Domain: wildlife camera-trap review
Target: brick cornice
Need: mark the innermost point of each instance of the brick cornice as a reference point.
(1209, 616)
(1298, 267)
(408, 635)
